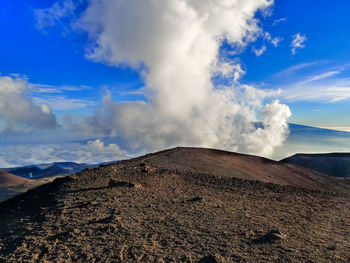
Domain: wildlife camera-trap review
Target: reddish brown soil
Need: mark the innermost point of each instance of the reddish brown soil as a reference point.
(178, 205)
(7, 179)
(222, 163)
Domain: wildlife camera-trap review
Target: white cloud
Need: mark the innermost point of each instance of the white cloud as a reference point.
(45, 88)
(298, 42)
(294, 69)
(94, 151)
(280, 20)
(266, 36)
(273, 40)
(322, 76)
(17, 109)
(314, 82)
(176, 47)
(63, 102)
(318, 89)
(260, 51)
(228, 70)
(53, 15)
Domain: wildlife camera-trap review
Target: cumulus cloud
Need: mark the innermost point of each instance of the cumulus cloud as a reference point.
(298, 42)
(175, 45)
(94, 151)
(17, 109)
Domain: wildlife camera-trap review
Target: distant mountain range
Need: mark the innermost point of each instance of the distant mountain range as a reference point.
(48, 170)
(333, 164)
(310, 140)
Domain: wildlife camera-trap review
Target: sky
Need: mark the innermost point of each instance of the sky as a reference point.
(94, 81)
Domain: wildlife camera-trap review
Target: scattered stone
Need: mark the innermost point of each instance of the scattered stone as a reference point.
(142, 164)
(212, 259)
(106, 220)
(195, 199)
(271, 237)
(115, 183)
(147, 168)
(332, 247)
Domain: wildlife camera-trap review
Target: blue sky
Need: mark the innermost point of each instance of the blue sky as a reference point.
(301, 50)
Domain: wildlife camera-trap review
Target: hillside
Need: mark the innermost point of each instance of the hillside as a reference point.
(249, 167)
(332, 164)
(179, 205)
(7, 179)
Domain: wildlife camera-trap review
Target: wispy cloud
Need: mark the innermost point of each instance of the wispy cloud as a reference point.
(280, 20)
(298, 42)
(317, 81)
(293, 69)
(59, 97)
(273, 40)
(260, 51)
(45, 88)
(64, 103)
(53, 15)
(326, 91)
(322, 76)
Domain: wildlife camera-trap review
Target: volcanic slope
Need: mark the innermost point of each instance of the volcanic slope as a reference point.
(179, 205)
(7, 179)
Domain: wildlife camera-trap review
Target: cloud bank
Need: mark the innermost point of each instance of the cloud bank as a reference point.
(94, 151)
(176, 47)
(18, 111)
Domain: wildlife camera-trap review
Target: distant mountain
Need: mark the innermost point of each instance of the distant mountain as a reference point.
(7, 179)
(333, 164)
(307, 139)
(48, 170)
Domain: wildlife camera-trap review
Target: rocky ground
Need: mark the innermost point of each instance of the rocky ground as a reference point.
(146, 210)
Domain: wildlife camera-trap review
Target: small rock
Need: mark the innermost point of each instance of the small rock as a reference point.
(212, 259)
(195, 199)
(332, 247)
(147, 168)
(271, 237)
(115, 183)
